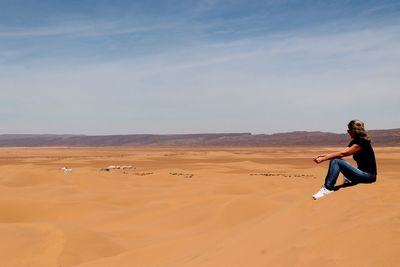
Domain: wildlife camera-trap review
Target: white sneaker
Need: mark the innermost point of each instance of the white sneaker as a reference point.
(321, 193)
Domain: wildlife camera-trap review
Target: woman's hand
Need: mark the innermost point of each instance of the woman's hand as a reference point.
(318, 159)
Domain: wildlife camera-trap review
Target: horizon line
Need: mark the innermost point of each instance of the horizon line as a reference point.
(201, 133)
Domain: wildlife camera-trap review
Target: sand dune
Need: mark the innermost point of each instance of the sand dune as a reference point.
(192, 207)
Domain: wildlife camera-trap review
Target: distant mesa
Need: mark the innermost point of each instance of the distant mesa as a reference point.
(389, 137)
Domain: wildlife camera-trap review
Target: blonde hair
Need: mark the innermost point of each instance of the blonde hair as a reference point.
(357, 128)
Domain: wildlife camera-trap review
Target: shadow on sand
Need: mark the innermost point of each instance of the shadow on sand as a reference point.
(338, 187)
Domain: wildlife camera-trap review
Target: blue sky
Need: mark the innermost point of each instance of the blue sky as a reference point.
(125, 67)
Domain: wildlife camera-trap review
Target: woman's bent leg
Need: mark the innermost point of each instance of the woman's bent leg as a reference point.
(355, 175)
(332, 175)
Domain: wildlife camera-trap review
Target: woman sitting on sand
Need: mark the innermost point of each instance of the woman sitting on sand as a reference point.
(361, 149)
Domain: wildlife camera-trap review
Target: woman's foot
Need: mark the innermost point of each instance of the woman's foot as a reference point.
(321, 193)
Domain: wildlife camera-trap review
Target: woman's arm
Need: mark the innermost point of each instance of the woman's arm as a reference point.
(348, 151)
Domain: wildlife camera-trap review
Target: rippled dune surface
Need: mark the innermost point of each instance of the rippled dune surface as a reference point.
(192, 207)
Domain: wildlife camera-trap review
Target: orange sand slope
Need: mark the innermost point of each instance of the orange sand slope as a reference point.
(192, 207)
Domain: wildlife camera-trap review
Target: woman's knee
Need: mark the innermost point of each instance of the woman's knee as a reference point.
(335, 161)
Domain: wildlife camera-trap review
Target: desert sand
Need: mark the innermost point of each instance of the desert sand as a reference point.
(192, 207)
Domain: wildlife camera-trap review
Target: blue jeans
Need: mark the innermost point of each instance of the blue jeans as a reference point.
(355, 175)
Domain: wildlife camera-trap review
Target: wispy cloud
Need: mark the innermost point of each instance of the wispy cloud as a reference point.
(251, 80)
(82, 28)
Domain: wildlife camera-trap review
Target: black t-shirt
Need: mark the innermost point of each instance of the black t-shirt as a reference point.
(365, 158)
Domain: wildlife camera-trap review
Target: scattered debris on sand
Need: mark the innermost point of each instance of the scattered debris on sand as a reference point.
(142, 173)
(187, 175)
(116, 167)
(282, 174)
(66, 170)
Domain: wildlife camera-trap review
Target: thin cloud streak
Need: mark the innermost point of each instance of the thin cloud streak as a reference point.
(83, 28)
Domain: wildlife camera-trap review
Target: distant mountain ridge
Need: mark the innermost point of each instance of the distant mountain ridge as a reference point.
(390, 137)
